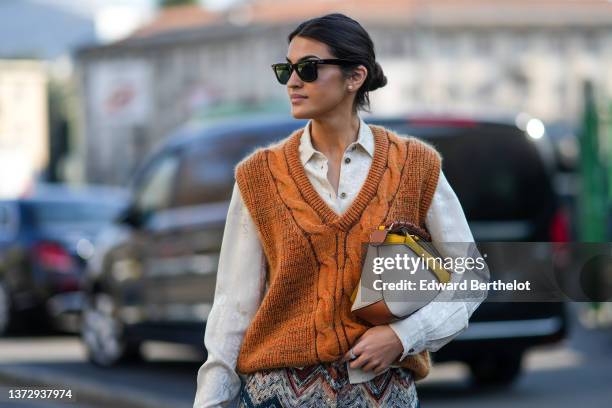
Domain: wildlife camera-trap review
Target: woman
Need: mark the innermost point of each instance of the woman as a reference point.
(290, 256)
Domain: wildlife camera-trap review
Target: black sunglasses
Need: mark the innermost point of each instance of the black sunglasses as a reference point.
(306, 70)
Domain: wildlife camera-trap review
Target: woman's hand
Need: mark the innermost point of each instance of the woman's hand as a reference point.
(376, 349)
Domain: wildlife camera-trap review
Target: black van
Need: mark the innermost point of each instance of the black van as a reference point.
(153, 274)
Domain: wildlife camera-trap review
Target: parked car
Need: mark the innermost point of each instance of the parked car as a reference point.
(154, 276)
(45, 238)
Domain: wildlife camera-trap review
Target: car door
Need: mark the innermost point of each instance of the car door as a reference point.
(7, 236)
(190, 234)
(9, 247)
(132, 265)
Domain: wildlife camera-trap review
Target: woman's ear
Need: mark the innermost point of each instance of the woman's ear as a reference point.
(357, 78)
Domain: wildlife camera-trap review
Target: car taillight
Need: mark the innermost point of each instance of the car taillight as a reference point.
(52, 255)
(559, 230)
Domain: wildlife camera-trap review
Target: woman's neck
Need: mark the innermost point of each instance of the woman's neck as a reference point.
(332, 135)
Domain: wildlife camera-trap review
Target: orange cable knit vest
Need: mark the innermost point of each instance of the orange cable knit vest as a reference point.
(314, 254)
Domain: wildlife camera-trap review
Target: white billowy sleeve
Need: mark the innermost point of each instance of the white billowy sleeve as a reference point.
(441, 320)
(238, 293)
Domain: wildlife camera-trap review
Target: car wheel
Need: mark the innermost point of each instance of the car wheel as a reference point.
(5, 309)
(103, 334)
(500, 369)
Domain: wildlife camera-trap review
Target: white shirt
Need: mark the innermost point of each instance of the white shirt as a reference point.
(242, 270)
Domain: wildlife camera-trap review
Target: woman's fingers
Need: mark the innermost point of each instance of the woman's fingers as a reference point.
(367, 362)
(371, 365)
(359, 361)
(349, 355)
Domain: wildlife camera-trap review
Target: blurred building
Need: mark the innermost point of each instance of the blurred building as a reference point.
(468, 55)
(23, 124)
(35, 29)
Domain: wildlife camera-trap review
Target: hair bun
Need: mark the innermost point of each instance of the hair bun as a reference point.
(378, 78)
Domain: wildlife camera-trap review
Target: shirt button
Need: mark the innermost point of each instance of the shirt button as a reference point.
(411, 350)
(343, 195)
(347, 160)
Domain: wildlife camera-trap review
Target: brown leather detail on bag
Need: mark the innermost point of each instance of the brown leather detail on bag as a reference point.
(377, 237)
(376, 314)
(403, 227)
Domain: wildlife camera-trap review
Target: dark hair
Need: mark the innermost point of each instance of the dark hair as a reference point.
(346, 39)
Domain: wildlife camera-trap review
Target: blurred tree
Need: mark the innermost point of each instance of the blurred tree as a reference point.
(593, 200)
(172, 3)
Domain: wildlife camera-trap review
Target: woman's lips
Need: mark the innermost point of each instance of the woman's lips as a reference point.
(295, 99)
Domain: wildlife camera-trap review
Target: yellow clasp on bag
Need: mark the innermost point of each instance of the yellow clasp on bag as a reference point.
(410, 239)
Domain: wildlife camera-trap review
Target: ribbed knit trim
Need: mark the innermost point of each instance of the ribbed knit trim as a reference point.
(365, 195)
(430, 187)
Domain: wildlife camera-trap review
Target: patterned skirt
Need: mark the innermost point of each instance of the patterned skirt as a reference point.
(327, 385)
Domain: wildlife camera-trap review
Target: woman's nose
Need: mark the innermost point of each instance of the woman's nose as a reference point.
(294, 79)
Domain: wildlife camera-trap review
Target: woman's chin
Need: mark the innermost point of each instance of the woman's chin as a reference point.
(299, 113)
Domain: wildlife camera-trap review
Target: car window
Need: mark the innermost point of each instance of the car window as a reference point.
(156, 189)
(496, 172)
(64, 212)
(8, 220)
(207, 172)
(4, 220)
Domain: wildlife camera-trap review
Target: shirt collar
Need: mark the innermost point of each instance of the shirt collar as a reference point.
(365, 139)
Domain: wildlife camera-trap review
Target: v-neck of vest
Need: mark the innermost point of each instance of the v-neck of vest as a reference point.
(330, 217)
